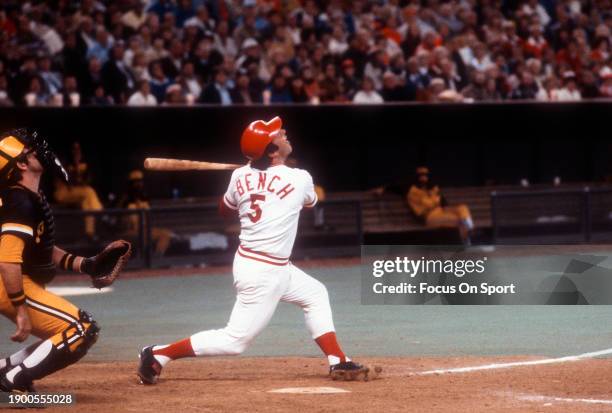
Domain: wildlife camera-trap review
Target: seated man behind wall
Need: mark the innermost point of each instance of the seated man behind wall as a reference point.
(136, 198)
(429, 206)
(79, 190)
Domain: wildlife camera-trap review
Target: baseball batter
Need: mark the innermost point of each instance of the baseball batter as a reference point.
(268, 197)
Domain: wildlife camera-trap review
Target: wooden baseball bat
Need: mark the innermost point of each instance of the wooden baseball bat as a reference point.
(164, 164)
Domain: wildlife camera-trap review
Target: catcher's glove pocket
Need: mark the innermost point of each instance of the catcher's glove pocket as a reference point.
(105, 267)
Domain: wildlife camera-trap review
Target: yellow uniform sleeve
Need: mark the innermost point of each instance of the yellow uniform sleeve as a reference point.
(423, 201)
(11, 248)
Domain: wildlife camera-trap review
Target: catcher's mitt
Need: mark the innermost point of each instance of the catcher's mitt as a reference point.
(105, 267)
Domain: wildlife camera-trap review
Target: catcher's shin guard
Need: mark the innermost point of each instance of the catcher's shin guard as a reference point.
(55, 353)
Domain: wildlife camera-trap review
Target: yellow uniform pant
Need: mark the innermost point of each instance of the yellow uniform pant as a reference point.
(52, 317)
(84, 196)
(450, 216)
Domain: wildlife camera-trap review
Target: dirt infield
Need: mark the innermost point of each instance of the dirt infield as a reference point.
(243, 385)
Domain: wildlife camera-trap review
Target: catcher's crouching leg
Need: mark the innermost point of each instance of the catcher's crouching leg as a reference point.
(55, 353)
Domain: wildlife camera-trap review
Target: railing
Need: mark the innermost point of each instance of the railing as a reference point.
(340, 234)
(567, 216)
(530, 216)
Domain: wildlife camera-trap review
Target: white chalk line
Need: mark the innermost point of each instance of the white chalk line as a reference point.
(542, 398)
(498, 366)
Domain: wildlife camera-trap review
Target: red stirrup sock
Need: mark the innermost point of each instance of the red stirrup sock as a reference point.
(178, 350)
(329, 344)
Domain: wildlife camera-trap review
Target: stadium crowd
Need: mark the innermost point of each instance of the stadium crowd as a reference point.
(168, 52)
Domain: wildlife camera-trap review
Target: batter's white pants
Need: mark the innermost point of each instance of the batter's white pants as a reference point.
(259, 287)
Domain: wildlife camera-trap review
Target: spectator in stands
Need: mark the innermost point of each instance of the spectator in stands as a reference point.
(569, 92)
(51, 80)
(297, 91)
(606, 87)
(549, 92)
(100, 98)
(588, 85)
(5, 100)
(92, 78)
(36, 95)
(477, 89)
(391, 91)
(242, 92)
(349, 80)
(329, 85)
(278, 92)
(177, 95)
(429, 206)
(143, 96)
(217, 91)
(223, 42)
(136, 198)
(376, 67)
(116, 76)
(159, 82)
(79, 191)
(527, 88)
(70, 96)
(54, 40)
(367, 94)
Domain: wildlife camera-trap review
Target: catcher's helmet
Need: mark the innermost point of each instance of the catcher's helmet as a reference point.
(16, 144)
(257, 136)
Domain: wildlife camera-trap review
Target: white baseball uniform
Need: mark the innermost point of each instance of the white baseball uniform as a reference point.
(268, 203)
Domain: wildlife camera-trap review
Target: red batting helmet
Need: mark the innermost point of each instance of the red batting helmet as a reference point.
(257, 136)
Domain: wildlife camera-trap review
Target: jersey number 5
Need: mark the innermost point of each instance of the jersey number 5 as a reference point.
(256, 214)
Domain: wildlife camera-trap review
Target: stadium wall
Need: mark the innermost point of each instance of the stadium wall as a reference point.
(345, 147)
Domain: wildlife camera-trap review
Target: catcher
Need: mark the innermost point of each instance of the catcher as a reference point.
(28, 259)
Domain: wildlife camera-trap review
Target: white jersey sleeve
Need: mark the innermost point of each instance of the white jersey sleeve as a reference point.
(310, 196)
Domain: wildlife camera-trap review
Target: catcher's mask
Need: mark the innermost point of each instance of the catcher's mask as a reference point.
(18, 143)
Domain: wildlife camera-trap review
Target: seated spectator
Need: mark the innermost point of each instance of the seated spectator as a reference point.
(70, 96)
(349, 80)
(177, 95)
(278, 92)
(100, 98)
(5, 100)
(328, 85)
(550, 91)
(36, 95)
(476, 90)
(78, 191)
(52, 80)
(297, 91)
(429, 206)
(217, 91)
(159, 82)
(391, 91)
(527, 88)
(588, 85)
(606, 86)
(118, 80)
(142, 96)
(242, 93)
(136, 198)
(367, 94)
(569, 92)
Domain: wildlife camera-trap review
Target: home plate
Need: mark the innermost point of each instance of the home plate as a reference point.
(309, 390)
(72, 291)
